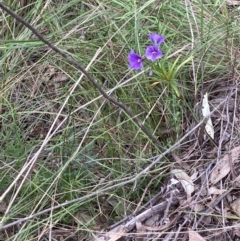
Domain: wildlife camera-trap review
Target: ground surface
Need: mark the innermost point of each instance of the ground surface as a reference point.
(76, 166)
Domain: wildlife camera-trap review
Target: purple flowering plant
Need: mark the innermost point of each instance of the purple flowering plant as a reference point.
(153, 52)
(135, 61)
(161, 71)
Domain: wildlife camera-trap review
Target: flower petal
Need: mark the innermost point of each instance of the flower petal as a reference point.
(153, 53)
(135, 61)
(156, 38)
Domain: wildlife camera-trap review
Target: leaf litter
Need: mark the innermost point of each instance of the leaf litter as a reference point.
(200, 200)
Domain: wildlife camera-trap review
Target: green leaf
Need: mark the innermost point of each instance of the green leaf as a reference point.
(184, 62)
(175, 88)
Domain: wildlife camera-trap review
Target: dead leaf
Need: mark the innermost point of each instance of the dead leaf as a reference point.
(197, 207)
(112, 235)
(84, 218)
(233, 2)
(185, 180)
(140, 232)
(213, 190)
(194, 176)
(151, 221)
(237, 181)
(206, 112)
(222, 168)
(174, 181)
(227, 212)
(236, 206)
(116, 204)
(194, 236)
(115, 234)
(180, 162)
(236, 230)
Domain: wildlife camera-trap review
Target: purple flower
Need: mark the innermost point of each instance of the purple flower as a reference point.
(135, 60)
(153, 53)
(156, 38)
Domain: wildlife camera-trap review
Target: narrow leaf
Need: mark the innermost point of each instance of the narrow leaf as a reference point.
(206, 112)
